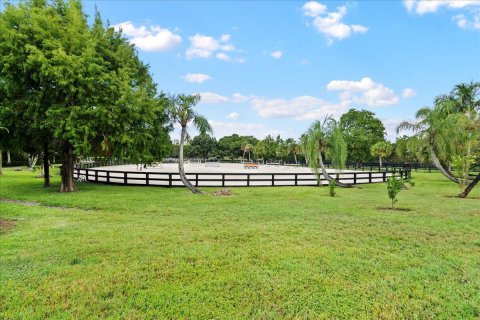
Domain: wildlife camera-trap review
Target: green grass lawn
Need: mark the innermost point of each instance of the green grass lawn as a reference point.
(263, 253)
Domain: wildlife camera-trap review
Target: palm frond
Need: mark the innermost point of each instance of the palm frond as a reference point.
(201, 123)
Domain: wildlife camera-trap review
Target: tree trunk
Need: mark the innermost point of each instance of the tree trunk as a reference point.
(181, 169)
(295, 157)
(9, 158)
(326, 174)
(439, 166)
(380, 160)
(1, 163)
(249, 160)
(32, 160)
(68, 162)
(470, 187)
(46, 165)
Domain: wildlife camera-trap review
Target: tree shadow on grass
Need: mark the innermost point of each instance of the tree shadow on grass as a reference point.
(457, 197)
(394, 209)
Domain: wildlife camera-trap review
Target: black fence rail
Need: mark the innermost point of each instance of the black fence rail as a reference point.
(229, 179)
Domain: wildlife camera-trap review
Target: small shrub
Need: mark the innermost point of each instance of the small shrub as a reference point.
(332, 184)
(394, 186)
(408, 181)
(461, 166)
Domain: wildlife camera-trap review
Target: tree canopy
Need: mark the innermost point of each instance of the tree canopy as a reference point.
(82, 85)
(361, 130)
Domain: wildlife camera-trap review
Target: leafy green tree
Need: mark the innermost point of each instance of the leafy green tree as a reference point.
(381, 150)
(231, 146)
(181, 112)
(325, 139)
(82, 85)
(202, 146)
(361, 130)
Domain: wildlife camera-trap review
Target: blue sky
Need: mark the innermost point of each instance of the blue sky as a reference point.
(274, 67)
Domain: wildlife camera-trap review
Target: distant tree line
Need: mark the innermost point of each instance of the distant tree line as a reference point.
(361, 130)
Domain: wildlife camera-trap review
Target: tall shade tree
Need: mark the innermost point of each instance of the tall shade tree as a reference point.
(82, 85)
(324, 139)
(438, 132)
(181, 112)
(361, 130)
(381, 150)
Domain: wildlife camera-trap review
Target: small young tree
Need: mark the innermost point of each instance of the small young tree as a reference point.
(394, 186)
(381, 150)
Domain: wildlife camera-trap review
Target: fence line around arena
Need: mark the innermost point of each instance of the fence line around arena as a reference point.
(228, 179)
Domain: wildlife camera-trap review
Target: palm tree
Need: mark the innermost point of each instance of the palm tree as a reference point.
(464, 99)
(437, 130)
(180, 109)
(381, 150)
(294, 148)
(247, 148)
(324, 139)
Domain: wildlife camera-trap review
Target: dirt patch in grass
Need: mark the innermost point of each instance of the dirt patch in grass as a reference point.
(223, 193)
(6, 225)
(394, 209)
(38, 204)
(23, 203)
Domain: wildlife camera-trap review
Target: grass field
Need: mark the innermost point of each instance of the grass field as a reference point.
(263, 253)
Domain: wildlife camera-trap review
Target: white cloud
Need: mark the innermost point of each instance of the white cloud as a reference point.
(313, 9)
(215, 98)
(465, 23)
(365, 91)
(239, 98)
(276, 54)
(233, 115)
(222, 129)
(225, 37)
(202, 46)
(196, 77)
(299, 108)
(330, 23)
(408, 93)
(223, 56)
(470, 7)
(428, 6)
(153, 38)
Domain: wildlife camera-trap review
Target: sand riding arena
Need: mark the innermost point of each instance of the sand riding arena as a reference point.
(224, 175)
